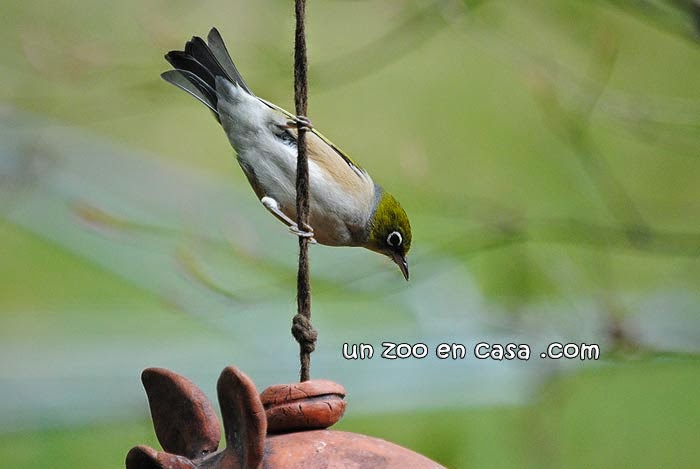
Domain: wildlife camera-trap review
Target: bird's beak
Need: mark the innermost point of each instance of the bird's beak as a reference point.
(401, 262)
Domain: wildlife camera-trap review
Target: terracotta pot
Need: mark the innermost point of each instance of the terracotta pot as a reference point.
(285, 426)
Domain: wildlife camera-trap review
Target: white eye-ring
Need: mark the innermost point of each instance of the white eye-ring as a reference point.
(394, 239)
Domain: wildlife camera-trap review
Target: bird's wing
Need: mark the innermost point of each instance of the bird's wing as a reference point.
(201, 64)
(323, 148)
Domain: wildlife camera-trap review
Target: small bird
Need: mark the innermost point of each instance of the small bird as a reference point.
(346, 207)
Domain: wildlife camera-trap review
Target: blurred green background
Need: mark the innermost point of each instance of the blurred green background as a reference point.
(548, 153)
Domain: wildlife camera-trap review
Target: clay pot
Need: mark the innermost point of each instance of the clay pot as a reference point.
(285, 426)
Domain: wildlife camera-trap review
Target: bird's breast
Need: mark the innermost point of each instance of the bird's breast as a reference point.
(339, 207)
(341, 195)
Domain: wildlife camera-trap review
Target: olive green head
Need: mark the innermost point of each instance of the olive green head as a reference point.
(390, 231)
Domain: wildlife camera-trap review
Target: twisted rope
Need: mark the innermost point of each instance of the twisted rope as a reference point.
(302, 330)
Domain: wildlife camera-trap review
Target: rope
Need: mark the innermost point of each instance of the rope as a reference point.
(302, 330)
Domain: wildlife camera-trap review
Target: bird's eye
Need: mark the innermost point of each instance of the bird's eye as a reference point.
(394, 239)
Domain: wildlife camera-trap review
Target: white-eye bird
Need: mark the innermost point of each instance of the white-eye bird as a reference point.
(346, 207)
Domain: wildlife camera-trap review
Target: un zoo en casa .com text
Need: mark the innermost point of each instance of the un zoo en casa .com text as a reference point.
(480, 351)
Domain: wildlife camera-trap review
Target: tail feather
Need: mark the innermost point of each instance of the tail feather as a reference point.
(218, 48)
(199, 50)
(193, 85)
(183, 61)
(198, 66)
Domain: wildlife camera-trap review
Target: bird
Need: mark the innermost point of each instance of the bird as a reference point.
(346, 206)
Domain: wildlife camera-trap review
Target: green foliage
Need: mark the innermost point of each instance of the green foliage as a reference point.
(545, 150)
(96, 446)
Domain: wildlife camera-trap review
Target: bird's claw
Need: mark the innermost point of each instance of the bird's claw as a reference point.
(307, 233)
(301, 123)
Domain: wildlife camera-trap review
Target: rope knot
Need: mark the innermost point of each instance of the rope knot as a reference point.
(304, 333)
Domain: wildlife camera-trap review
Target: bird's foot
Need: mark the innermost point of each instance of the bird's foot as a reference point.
(274, 207)
(301, 123)
(307, 232)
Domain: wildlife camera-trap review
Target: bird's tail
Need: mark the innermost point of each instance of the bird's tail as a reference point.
(197, 67)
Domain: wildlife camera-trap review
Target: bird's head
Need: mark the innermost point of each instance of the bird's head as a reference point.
(390, 231)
